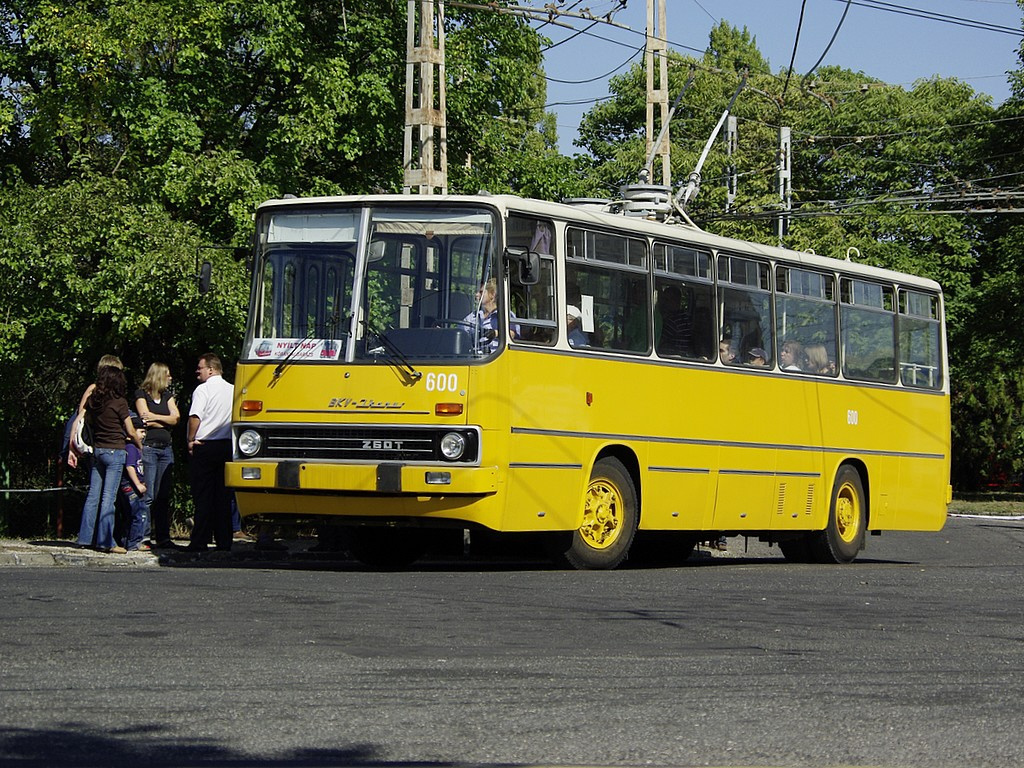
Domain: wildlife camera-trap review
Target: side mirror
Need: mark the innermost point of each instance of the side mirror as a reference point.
(205, 273)
(376, 251)
(529, 264)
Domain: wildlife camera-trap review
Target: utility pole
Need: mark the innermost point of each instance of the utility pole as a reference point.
(426, 139)
(785, 183)
(657, 88)
(731, 179)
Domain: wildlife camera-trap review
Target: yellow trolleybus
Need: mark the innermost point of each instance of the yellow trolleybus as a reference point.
(492, 363)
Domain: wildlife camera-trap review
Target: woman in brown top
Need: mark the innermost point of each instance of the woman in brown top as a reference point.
(107, 410)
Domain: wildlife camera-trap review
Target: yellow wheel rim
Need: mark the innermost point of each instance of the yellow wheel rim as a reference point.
(602, 514)
(848, 513)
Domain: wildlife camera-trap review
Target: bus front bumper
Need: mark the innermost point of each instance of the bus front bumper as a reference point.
(389, 478)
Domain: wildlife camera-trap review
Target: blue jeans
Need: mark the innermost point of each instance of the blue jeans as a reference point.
(98, 512)
(155, 463)
(138, 521)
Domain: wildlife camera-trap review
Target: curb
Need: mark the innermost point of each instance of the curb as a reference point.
(54, 553)
(49, 553)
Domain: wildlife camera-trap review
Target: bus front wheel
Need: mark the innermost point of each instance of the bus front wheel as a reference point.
(843, 537)
(610, 518)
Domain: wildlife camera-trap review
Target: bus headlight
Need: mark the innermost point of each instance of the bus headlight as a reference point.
(250, 442)
(453, 445)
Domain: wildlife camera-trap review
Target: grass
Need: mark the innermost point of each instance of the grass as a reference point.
(997, 507)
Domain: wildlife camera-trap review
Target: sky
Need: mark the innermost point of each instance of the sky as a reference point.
(895, 45)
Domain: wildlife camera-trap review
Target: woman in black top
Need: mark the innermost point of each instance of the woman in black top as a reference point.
(159, 413)
(107, 410)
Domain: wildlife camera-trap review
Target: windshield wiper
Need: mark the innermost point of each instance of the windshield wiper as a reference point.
(332, 322)
(390, 352)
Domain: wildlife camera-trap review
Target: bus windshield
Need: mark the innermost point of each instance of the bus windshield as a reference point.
(369, 284)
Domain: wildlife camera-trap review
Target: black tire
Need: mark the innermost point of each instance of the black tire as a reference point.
(610, 518)
(386, 549)
(843, 537)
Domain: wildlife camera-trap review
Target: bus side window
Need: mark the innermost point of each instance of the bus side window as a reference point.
(636, 322)
(868, 331)
(746, 316)
(532, 307)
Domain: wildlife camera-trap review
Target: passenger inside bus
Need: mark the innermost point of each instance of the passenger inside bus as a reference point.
(573, 322)
(675, 336)
(757, 357)
(818, 361)
(725, 351)
(792, 357)
(577, 337)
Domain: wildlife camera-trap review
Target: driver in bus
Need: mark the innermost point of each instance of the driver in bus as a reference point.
(485, 318)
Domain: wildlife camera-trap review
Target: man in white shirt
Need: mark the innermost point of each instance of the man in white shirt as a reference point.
(209, 444)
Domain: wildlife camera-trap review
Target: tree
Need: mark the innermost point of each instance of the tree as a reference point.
(135, 136)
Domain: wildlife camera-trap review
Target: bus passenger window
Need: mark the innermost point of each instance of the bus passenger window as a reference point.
(636, 318)
(532, 307)
(868, 331)
(920, 340)
(675, 326)
(746, 316)
(805, 316)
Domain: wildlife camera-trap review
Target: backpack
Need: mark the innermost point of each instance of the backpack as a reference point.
(83, 437)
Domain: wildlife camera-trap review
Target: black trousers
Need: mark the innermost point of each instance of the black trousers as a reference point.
(211, 497)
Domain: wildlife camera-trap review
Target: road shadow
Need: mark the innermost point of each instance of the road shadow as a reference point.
(78, 746)
(305, 554)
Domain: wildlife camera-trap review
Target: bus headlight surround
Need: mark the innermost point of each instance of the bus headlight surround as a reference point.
(250, 442)
(453, 446)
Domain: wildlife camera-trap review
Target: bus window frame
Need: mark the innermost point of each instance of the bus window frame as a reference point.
(592, 262)
(888, 308)
(933, 318)
(661, 276)
(548, 266)
(723, 284)
(783, 288)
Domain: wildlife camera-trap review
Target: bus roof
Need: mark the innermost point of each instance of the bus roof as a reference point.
(591, 215)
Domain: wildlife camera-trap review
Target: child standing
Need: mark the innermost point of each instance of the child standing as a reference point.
(133, 489)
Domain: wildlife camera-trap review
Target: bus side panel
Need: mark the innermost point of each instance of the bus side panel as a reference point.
(799, 481)
(924, 482)
(547, 424)
(922, 496)
(567, 408)
(771, 462)
(744, 498)
(679, 490)
(902, 438)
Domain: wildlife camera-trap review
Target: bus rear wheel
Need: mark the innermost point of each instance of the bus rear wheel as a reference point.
(610, 518)
(843, 537)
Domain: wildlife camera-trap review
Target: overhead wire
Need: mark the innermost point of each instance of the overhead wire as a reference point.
(599, 77)
(828, 47)
(906, 10)
(796, 43)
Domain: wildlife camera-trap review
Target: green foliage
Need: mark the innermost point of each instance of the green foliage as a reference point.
(137, 137)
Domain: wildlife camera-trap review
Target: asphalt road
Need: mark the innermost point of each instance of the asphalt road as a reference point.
(912, 656)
